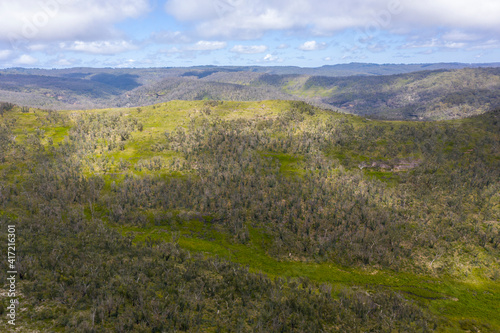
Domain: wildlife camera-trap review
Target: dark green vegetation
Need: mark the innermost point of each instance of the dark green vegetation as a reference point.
(251, 216)
(436, 92)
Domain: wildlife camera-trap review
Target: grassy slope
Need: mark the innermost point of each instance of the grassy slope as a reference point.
(471, 297)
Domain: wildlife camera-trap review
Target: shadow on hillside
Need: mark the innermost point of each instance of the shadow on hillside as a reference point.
(122, 82)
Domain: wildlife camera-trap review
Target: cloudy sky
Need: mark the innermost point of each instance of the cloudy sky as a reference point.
(308, 33)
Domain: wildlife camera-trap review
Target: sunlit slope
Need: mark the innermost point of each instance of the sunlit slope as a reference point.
(387, 215)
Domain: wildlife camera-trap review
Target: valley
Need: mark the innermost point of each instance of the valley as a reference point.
(390, 92)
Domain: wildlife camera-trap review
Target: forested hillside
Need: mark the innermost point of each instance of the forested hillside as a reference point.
(423, 95)
(268, 216)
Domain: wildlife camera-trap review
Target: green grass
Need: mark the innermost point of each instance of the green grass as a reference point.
(289, 165)
(388, 177)
(57, 133)
(473, 298)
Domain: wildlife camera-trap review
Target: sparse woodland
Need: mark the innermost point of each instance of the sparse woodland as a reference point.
(299, 185)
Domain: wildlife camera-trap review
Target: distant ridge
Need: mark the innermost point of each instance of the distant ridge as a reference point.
(350, 69)
(388, 91)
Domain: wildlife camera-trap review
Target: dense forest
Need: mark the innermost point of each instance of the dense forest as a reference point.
(434, 92)
(265, 216)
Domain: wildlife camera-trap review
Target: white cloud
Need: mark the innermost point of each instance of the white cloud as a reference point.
(478, 14)
(170, 37)
(64, 63)
(128, 63)
(56, 20)
(101, 47)
(37, 47)
(191, 10)
(283, 46)
(327, 59)
(434, 43)
(203, 45)
(272, 58)
(5, 54)
(454, 45)
(244, 49)
(190, 50)
(312, 46)
(25, 59)
(453, 40)
(376, 47)
(243, 19)
(488, 44)
(171, 50)
(456, 35)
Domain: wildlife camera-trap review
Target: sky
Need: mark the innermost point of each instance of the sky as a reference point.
(313, 33)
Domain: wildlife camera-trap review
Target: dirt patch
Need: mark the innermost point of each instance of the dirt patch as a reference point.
(397, 165)
(406, 165)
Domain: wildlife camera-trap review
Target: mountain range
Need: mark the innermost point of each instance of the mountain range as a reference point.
(388, 91)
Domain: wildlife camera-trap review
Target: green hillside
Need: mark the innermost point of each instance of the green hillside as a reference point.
(265, 216)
